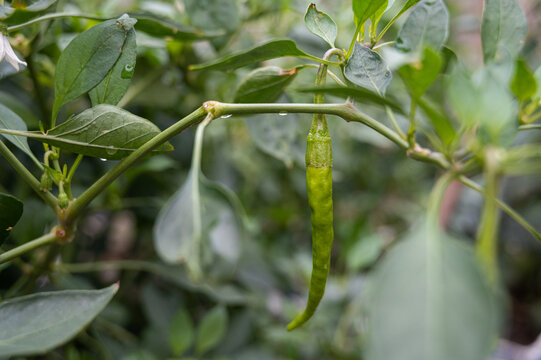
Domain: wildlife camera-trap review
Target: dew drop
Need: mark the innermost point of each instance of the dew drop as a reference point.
(282, 113)
(111, 150)
(226, 116)
(102, 159)
(127, 71)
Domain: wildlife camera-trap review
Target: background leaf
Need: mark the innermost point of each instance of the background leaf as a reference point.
(11, 210)
(181, 333)
(320, 24)
(86, 61)
(211, 330)
(366, 68)
(427, 25)
(364, 9)
(160, 27)
(423, 295)
(504, 25)
(38, 323)
(266, 51)
(11, 121)
(213, 14)
(524, 85)
(103, 131)
(115, 84)
(264, 84)
(420, 75)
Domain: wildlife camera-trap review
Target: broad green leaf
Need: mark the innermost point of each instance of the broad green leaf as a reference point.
(181, 332)
(103, 131)
(376, 17)
(441, 123)
(422, 297)
(11, 121)
(213, 14)
(88, 58)
(275, 135)
(176, 237)
(160, 27)
(366, 68)
(537, 75)
(361, 95)
(320, 24)
(11, 210)
(115, 84)
(420, 75)
(364, 252)
(504, 26)
(483, 100)
(264, 85)
(524, 84)
(24, 13)
(266, 51)
(427, 25)
(405, 7)
(38, 323)
(364, 9)
(211, 330)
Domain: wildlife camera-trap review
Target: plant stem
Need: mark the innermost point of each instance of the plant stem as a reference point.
(74, 210)
(23, 172)
(19, 250)
(530, 127)
(487, 236)
(54, 16)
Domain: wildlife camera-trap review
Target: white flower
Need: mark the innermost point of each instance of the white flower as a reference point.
(6, 52)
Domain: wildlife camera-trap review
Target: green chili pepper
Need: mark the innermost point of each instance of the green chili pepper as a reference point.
(319, 188)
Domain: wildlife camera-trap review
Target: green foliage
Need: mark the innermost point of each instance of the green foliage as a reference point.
(367, 68)
(37, 323)
(439, 282)
(364, 9)
(11, 121)
(504, 26)
(211, 330)
(320, 24)
(88, 59)
(264, 84)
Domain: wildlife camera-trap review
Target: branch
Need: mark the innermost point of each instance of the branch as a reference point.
(49, 198)
(31, 245)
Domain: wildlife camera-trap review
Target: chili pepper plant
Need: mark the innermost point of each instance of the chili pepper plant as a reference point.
(87, 100)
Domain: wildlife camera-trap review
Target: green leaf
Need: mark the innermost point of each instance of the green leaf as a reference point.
(376, 17)
(420, 75)
(181, 332)
(367, 68)
(103, 131)
(439, 121)
(537, 76)
(159, 27)
(427, 25)
(424, 293)
(211, 330)
(88, 58)
(483, 100)
(175, 233)
(264, 85)
(24, 13)
(11, 210)
(115, 84)
(213, 14)
(364, 252)
(364, 9)
(266, 51)
(404, 8)
(320, 24)
(11, 121)
(504, 26)
(275, 135)
(361, 95)
(38, 323)
(524, 83)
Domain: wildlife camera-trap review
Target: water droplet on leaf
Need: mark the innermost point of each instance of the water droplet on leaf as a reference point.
(282, 113)
(226, 116)
(111, 150)
(127, 71)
